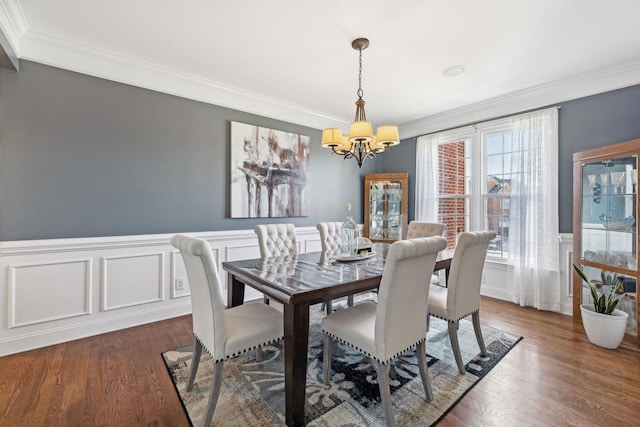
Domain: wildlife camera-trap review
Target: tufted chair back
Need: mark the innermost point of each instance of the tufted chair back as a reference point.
(330, 235)
(276, 240)
(424, 229)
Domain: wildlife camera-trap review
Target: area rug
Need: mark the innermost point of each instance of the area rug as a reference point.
(253, 392)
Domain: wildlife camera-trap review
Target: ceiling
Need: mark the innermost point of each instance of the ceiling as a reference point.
(292, 60)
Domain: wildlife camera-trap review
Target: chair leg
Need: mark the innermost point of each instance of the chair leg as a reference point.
(475, 317)
(350, 300)
(195, 361)
(326, 359)
(385, 392)
(424, 372)
(259, 354)
(428, 321)
(453, 336)
(329, 306)
(215, 392)
(322, 306)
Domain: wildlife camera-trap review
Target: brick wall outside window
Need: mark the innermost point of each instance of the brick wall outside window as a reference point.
(451, 210)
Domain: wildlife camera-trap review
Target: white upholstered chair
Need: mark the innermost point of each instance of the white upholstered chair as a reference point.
(426, 229)
(276, 239)
(222, 333)
(330, 241)
(396, 323)
(461, 297)
(330, 235)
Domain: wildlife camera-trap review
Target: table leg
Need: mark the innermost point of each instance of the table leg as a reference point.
(296, 344)
(235, 291)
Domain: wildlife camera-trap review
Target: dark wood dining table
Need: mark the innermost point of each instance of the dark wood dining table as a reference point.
(298, 282)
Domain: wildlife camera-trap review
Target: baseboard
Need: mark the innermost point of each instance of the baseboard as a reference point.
(56, 335)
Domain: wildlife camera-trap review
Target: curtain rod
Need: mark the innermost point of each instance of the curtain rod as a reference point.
(558, 107)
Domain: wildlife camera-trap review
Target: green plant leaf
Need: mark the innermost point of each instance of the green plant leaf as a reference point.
(581, 273)
(604, 302)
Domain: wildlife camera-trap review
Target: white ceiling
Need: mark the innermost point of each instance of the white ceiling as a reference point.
(292, 60)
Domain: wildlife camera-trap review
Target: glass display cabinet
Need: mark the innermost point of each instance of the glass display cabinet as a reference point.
(605, 229)
(385, 210)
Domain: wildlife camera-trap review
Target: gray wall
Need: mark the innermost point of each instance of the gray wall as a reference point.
(592, 122)
(82, 156)
(583, 123)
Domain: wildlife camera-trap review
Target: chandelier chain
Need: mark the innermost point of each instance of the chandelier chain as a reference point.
(360, 91)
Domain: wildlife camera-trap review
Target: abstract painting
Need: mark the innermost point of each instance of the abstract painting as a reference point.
(269, 172)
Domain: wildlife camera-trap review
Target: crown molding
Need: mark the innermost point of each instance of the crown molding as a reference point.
(81, 58)
(574, 87)
(60, 53)
(12, 25)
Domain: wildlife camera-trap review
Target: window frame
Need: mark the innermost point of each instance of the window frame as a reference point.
(477, 196)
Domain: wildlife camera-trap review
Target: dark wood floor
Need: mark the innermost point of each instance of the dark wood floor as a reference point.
(553, 377)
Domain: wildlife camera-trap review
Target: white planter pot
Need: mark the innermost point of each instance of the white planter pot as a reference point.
(604, 330)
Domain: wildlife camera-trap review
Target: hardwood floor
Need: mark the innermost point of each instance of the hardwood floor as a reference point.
(553, 377)
(115, 379)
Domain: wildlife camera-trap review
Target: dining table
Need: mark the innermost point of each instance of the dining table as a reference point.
(299, 281)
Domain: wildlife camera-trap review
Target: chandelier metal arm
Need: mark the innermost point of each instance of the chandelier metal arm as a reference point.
(359, 151)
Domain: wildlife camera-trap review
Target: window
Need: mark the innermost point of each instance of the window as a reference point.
(500, 175)
(500, 166)
(478, 168)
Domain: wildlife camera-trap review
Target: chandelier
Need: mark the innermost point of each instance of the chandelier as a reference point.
(361, 143)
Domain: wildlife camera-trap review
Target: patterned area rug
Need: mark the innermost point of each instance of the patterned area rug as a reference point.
(253, 393)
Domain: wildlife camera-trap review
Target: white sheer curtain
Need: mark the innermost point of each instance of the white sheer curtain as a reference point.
(533, 217)
(427, 178)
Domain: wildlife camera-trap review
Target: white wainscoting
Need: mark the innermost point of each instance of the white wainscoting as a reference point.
(566, 272)
(58, 290)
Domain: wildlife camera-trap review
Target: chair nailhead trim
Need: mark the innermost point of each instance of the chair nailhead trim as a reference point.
(239, 352)
(384, 362)
(453, 320)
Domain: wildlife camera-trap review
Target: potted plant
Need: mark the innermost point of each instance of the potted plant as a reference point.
(604, 324)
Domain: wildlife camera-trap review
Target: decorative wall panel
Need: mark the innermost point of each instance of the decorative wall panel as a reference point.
(43, 292)
(132, 280)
